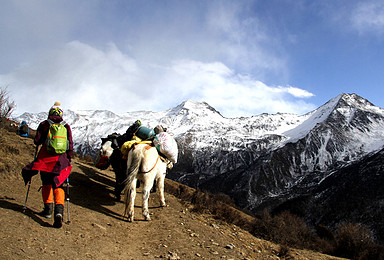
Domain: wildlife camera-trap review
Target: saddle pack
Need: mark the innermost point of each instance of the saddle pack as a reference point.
(166, 145)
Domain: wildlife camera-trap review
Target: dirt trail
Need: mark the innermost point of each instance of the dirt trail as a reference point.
(97, 229)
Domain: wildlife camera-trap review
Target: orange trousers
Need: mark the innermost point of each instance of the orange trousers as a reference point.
(51, 195)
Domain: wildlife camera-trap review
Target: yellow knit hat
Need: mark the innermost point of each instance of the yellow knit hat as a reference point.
(56, 110)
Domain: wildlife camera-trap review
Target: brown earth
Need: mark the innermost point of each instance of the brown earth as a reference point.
(97, 229)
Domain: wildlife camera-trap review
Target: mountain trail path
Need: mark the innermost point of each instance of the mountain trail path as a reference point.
(97, 229)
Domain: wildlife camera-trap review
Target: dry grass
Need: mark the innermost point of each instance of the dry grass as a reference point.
(15, 151)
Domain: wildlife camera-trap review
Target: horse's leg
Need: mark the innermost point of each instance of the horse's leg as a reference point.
(160, 187)
(132, 196)
(146, 191)
(119, 182)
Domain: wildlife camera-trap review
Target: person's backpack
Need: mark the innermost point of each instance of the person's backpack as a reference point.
(24, 130)
(57, 140)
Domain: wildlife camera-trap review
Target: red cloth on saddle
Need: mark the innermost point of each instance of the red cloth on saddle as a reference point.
(103, 161)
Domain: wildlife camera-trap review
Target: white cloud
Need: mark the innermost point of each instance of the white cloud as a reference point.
(84, 77)
(369, 17)
(199, 50)
(243, 41)
(296, 92)
(79, 75)
(233, 94)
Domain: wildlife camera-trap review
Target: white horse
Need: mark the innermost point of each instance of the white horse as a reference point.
(144, 164)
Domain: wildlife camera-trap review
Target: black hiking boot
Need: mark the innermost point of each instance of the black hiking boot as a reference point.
(47, 211)
(59, 211)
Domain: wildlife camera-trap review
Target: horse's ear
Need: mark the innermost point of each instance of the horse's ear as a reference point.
(103, 140)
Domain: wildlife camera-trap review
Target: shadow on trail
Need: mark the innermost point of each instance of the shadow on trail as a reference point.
(6, 204)
(93, 190)
(96, 175)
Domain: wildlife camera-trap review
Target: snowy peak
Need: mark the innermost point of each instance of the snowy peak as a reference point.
(349, 104)
(354, 100)
(102, 114)
(313, 118)
(341, 110)
(342, 104)
(191, 107)
(191, 115)
(194, 105)
(353, 110)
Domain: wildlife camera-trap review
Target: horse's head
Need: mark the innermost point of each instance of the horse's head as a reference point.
(169, 165)
(102, 158)
(106, 148)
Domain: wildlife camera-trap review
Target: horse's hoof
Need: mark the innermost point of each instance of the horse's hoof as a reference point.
(147, 218)
(163, 205)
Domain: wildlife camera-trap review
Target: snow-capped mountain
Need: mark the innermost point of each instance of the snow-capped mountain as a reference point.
(263, 161)
(341, 132)
(207, 127)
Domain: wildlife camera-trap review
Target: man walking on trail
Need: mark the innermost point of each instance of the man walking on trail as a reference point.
(53, 162)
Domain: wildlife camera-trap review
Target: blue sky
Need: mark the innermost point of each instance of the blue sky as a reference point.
(242, 57)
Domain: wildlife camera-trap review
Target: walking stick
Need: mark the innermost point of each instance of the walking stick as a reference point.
(26, 197)
(29, 183)
(67, 199)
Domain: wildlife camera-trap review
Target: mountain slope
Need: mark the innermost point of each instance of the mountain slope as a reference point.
(97, 229)
(342, 133)
(354, 193)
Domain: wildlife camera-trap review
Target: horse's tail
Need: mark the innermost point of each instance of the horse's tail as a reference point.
(133, 166)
